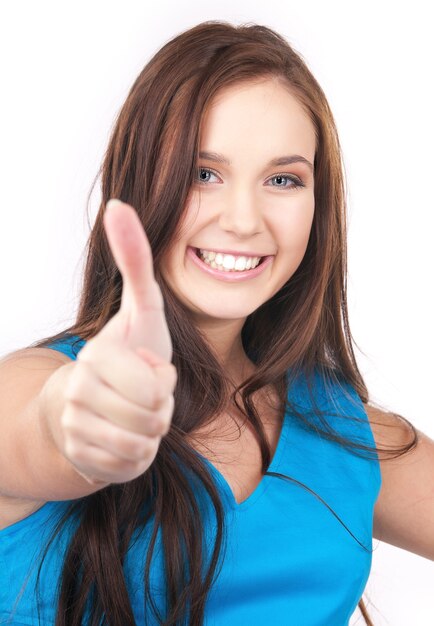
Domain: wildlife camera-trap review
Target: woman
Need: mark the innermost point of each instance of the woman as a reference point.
(197, 446)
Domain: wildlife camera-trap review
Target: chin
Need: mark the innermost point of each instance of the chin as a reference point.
(224, 312)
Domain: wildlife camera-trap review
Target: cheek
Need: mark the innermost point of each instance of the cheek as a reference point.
(294, 227)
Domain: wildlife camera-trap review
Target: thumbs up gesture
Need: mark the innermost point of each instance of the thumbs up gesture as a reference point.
(119, 394)
(140, 322)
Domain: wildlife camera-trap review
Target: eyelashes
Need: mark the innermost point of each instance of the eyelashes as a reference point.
(296, 183)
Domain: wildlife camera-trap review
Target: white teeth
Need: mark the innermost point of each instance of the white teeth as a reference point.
(240, 263)
(228, 262)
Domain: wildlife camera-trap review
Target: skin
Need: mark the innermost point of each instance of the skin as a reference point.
(245, 207)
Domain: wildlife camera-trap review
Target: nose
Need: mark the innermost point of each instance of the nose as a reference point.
(241, 213)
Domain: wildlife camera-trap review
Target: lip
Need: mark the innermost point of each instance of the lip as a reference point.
(228, 276)
(233, 252)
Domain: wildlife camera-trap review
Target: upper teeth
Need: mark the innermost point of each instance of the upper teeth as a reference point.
(229, 261)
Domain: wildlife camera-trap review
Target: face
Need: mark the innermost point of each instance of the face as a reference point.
(243, 206)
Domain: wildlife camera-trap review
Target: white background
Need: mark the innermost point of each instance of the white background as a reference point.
(66, 69)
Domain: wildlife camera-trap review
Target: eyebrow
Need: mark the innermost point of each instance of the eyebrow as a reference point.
(277, 162)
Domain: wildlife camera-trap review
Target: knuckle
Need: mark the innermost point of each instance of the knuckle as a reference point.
(69, 422)
(140, 449)
(118, 466)
(107, 465)
(141, 467)
(66, 421)
(128, 448)
(68, 418)
(72, 450)
(113, 463)
(168, 407)
(164, 416)
(110, 439)
(166, 427)
(156, 398)
(69, 430)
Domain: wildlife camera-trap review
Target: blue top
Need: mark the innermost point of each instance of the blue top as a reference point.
(288, 559)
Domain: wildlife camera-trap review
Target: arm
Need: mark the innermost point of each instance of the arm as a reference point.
(31, 467)
(404, 510)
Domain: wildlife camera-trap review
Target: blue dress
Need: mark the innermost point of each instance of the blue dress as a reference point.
(288, 559)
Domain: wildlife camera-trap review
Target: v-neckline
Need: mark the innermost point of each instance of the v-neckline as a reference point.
(263, 483)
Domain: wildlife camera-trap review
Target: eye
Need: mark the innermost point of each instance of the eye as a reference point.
(295, 182)
(285, 181)
(200, 172)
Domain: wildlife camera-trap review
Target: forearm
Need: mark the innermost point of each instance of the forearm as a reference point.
(32, 466)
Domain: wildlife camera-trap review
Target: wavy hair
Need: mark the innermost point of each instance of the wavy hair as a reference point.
(151, 163)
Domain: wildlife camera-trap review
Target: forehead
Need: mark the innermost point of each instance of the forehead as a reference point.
(257, 118)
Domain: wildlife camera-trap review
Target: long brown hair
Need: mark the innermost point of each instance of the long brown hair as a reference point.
(151, 163)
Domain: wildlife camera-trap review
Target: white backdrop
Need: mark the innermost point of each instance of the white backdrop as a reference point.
(66, 69)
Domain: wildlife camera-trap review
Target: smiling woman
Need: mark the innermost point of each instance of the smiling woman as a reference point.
(196, 447)
(239, 213)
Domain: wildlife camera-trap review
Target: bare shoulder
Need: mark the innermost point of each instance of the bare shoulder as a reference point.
(404, 510)
(23, 374)
(31, 356)
(388, 428)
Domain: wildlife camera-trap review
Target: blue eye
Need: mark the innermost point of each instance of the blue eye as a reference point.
(207, 171)
(296, 182)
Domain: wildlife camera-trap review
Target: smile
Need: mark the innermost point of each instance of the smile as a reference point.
(225, 266)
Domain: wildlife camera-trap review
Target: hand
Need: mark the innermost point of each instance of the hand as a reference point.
(119, 395)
